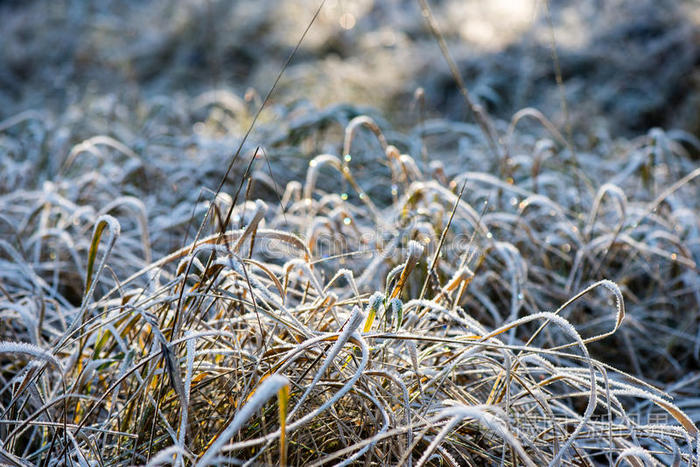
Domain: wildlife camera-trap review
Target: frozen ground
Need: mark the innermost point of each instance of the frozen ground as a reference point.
(124, 340)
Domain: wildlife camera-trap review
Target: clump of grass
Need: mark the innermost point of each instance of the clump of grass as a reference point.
(342, 321)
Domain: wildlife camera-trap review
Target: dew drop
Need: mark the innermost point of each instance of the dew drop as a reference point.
(347, 21)
(312, 163)
(514, 201)
(363, 196)
(394, 190)
(347, 221)
(489, 235)
(347, 157)
(344, 196)
(674, 256)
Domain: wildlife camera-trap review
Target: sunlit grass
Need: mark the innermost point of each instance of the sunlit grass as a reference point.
(323, 326)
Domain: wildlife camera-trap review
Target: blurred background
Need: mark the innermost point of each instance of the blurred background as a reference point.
(627, 65)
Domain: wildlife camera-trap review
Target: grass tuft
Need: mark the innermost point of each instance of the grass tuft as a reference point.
(378, 313)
